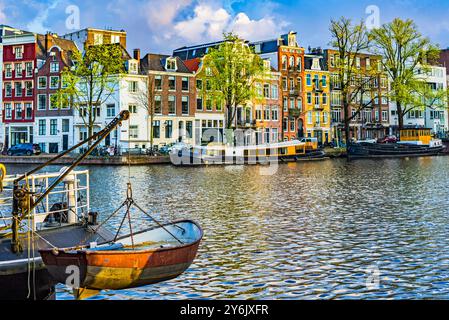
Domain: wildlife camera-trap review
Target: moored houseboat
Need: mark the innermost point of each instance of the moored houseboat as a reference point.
(413, 143)
(221, 154)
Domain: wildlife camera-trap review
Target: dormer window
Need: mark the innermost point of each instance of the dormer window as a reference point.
(133, 67)
(292, 40)
(316, 64)
(170, 64)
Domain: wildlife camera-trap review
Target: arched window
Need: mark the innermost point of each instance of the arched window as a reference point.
(292, 62)
(284, 62)
(298, 63)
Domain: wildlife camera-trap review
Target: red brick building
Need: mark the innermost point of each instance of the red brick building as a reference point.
(19, 77)
(53, 122)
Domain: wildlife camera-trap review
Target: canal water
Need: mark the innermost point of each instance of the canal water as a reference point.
(313, 230)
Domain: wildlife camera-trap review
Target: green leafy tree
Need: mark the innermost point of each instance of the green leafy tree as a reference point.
(354, 82)
(91, 81)
(229, 73)
(408, 57)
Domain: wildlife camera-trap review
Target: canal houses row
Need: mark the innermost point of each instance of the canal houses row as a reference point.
(297, 96)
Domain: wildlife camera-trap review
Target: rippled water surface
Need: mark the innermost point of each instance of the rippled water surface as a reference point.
(310, 231)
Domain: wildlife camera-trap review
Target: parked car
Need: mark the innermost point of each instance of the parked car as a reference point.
(174, 146)
(367, 141)
(21, 149)
(388, 139)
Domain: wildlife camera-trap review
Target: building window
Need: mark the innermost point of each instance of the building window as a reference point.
(266, 91)
(324, 99)
(18, 89)
(158, 82)
(185, 84)
(266, 114)
(18, 70)
(309, 117)
(8, 70)
(156, 129)
(309, 98)
(28, 88)
(42, 83)
(110, 110)
(284, 84)
(298, 64)
(28, 69)
(65, 125)
(185, 105)
(8, 89)
(285, 124)
(18, 52)
(8, 111)
(309, 80)
(157, 105)
(384, 115)
(284, 62)
(171, 64)
(171, 104)
(53, 102)
(98, 39)
(324, 81)
(54, 67)
(258, 113)
(292, 125)
(28, 110)
(199, 84)
(132, 108)
(274, 113)
(189, 129)
(134, 132)
(208, 104)
(42, 127)
(325, 117)
(54, 82)
(168, 129)
(172, 83)
(199, 104)
(132, 86)
(274, 91)
(19, 111)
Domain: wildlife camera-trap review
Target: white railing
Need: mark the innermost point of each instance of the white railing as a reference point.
(72, 196)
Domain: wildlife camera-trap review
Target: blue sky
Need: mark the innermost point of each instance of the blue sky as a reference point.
(160, 26)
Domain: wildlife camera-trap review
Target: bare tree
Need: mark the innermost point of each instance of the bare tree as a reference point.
(147, 100)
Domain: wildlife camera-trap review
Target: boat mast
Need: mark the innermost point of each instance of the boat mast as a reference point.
(22, 198)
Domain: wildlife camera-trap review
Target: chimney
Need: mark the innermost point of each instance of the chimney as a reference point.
(48, 41)
(137, 54)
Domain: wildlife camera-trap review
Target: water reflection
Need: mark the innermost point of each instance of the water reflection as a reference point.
(308, 232)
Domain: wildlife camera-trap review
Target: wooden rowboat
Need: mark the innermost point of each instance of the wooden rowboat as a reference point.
(148, 257)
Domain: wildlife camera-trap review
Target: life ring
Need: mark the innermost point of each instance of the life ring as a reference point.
(2, 175)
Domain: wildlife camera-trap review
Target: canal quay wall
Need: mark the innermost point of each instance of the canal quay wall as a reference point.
(108, 161)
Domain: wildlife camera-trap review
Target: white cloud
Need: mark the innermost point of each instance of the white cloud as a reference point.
(163, 13)
(38, 23)
(209, 23)
(256, 29)
(206, 23)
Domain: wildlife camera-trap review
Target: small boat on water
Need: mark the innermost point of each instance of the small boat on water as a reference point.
(413, 143)
(23, 274)
(221, 154)
(147, 257)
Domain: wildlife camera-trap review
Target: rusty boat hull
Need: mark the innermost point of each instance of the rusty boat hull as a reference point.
(155, 257)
